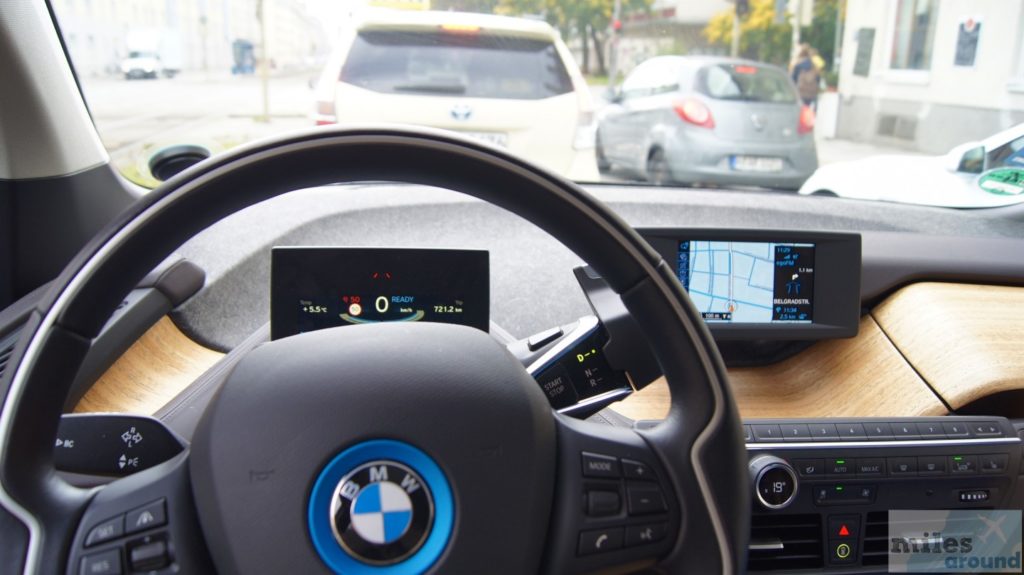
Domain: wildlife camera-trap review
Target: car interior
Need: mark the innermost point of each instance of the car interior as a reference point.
(193, 376)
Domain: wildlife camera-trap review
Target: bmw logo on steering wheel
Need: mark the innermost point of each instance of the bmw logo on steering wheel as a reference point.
(382, 507)
(381, 512)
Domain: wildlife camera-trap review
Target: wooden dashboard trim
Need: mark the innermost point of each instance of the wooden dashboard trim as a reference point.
(863, 376)
(157, 367)
(966, 341)
(926, 344)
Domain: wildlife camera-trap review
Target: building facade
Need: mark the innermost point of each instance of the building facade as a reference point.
(913, 70)
(190, 35)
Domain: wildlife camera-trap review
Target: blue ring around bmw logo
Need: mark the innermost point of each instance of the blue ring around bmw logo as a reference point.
(367, 502)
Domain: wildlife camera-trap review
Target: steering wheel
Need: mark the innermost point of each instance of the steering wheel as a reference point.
(388, 448)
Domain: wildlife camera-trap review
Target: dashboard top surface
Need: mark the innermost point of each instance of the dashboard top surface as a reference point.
(532, 287)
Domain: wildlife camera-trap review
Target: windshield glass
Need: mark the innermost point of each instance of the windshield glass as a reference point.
(908, 101)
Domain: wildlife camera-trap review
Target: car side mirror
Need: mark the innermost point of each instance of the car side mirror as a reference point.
(967, 158)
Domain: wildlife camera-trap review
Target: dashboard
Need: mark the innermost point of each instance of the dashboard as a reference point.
(841, 329)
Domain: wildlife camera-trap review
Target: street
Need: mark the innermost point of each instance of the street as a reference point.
(137, 118)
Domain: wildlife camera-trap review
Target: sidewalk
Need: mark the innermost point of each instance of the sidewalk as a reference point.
(831, 151)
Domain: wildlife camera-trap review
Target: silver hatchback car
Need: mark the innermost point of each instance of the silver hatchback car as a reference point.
(706, 120)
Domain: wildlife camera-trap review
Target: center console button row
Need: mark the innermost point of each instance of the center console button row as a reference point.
(914, 430)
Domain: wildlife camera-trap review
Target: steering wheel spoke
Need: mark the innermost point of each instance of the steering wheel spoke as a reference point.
(144, 522)
(614, 505)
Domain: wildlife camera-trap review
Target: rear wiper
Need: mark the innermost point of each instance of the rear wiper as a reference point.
(434, 88)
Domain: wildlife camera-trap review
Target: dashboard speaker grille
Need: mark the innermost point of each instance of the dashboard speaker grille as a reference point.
(785, 542)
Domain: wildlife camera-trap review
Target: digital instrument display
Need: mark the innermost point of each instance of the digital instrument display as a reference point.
(317, 288)
(748, 282)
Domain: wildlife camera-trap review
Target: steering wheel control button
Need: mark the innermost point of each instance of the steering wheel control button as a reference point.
(558, 387)
(823, 431)
(543, 338)
(109, 529)
(775, 482)
(795, 432)
(603, 503)
(870, 467)
(963, 464)
(902, 465)
(851, 431)
(381, 504)
(839, 467)
(600, 540)
(636, 470)
(146, 517)
(767, 432)
(105, 563)
(934, 465)
(810, 467)
(149, 556)
(644, 534)
(601, 466)
(645, 499)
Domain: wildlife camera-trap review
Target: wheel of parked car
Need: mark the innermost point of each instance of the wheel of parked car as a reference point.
(657, 168)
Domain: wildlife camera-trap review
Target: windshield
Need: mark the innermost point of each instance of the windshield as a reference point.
(908, 101)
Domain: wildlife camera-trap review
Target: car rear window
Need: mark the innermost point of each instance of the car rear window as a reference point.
(746, 82)
(453, 64)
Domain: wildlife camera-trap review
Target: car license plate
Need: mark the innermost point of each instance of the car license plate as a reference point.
(499, 139)
(756, 164)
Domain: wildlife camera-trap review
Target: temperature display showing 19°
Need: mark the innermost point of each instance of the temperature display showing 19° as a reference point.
(316, 288)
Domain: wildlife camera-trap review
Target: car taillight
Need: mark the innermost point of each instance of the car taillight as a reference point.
(695, 112)
(806, 124)
(325, 113)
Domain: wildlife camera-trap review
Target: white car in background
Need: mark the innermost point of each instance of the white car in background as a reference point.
(988, 173)
(511, 82)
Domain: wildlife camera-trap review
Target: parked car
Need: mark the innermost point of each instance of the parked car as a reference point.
(511, 82)
(975, 174)
(140, 65)
(706, 120)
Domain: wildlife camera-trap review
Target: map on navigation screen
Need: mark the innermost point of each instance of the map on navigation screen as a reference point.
(749, 282)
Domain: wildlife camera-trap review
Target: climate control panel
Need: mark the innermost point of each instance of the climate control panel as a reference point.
(822, 489)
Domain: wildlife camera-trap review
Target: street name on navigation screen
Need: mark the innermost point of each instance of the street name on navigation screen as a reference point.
(749, 282)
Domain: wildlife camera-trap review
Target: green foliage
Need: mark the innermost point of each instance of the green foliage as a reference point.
(822, 32)
(577, 16)
(762, 39)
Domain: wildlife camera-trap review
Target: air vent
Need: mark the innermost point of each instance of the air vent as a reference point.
(876, 539)
(785, 542)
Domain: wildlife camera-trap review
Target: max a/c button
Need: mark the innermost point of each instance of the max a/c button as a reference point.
(595, 465)
(600, 540)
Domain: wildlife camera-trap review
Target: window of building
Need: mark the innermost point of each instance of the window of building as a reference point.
(913, 34)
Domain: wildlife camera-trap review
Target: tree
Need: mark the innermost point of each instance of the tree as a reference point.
(576, 17)
(822, 32)
(760, 37)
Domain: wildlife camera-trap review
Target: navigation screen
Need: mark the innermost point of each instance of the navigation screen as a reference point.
(749, 282)
(317, 288)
